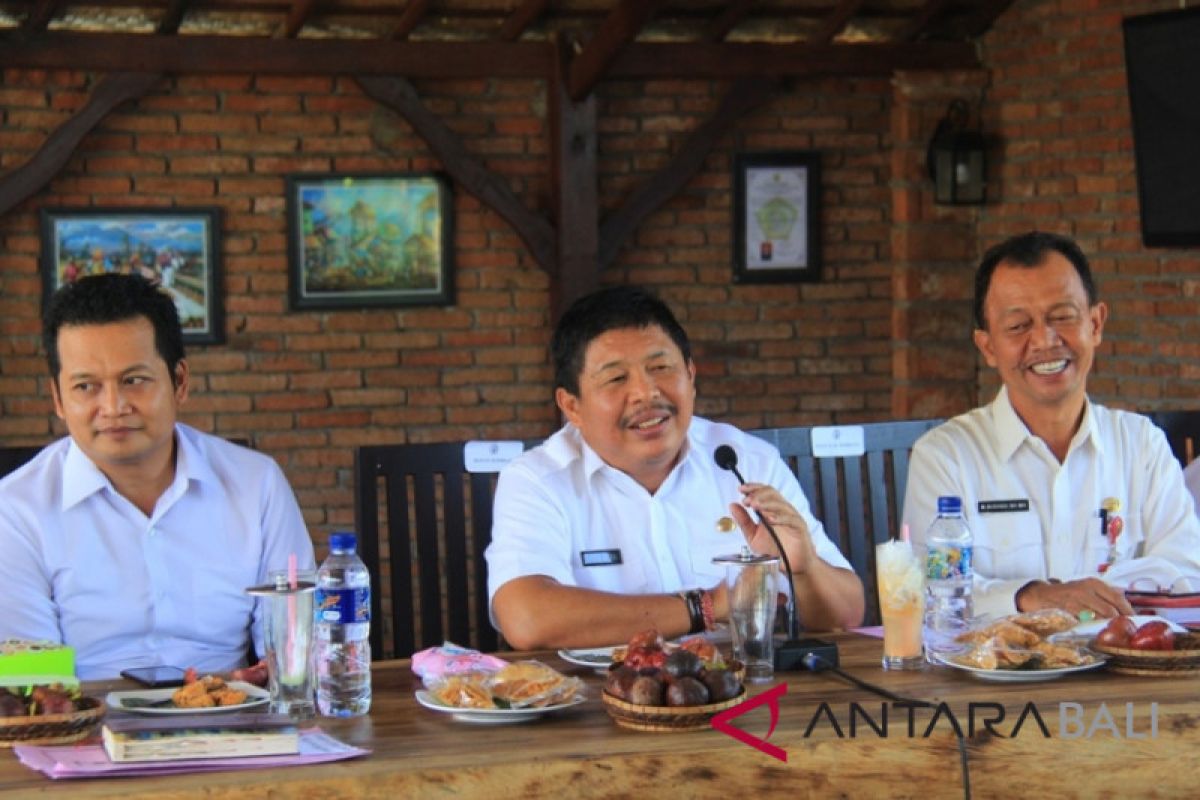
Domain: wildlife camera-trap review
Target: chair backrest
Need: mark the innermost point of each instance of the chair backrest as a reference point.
(1183, 432)
(859, 499)
(13, 457)
(428, 563)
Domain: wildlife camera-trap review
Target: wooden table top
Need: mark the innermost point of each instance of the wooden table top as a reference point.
(1117, 735)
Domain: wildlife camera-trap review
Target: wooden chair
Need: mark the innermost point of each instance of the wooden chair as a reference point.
(1183, 432)
(13, 457)
(428, 561)
(858, 499)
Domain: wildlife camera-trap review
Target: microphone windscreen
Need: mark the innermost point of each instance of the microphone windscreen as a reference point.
(726, 457)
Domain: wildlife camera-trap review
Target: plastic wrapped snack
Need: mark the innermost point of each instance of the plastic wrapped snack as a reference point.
(532, 684)
(1047, 621)
(435, 663)
(1003, 630)
(996, 653)
(466, 690)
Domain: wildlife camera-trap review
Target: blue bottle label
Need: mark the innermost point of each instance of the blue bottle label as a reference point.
(944, 563)
(343, 605)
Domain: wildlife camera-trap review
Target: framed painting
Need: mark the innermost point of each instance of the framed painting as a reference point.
(176, 247)
(777, 217)
(369, 240)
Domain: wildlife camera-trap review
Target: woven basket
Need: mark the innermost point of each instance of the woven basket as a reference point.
(1184, 660)
(53, 728)
(665, 719)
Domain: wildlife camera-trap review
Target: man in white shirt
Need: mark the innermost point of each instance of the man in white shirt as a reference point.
(133, 539)
(1069, 502)
(610, 527)
(1191, 477)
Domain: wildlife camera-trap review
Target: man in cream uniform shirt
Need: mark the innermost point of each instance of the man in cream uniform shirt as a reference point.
(1069, 502)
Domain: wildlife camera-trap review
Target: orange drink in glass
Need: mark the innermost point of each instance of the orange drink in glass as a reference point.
(901, 584)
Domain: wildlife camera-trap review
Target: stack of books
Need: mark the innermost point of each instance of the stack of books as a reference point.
(169, 738)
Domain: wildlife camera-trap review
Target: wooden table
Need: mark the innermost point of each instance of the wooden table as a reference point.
(581, 753)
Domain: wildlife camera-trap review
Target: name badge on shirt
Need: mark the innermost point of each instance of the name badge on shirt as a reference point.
(600, 558)
(1002, 506)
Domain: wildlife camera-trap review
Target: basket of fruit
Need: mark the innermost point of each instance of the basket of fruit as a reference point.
(668, 688)
(46, 715)
(1150, 649)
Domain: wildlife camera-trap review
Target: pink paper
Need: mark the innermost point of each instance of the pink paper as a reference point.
(90, 761)
(875, 631)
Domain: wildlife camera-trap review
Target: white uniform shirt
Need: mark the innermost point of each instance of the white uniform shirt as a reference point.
(81, 565)
(1191, 477)
(560, 511)
(1033, 518)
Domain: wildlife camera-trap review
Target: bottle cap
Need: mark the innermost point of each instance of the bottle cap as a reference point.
(949, 505)
(342, 540)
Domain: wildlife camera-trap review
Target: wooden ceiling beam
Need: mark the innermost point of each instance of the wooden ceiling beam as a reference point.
(414, 12)
(618, 30)
(985, 15)
(111, 91)
(39, 17)
(727, 20)
(520, 19)
(297, 15)
(172, 18)
(210, 54)
(835, 21)
(915, 26)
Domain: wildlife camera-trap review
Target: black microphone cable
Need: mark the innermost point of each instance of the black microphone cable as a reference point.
(727, 459)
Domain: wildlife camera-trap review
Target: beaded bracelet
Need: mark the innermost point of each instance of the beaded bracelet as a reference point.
(706, 605)
(695, 605)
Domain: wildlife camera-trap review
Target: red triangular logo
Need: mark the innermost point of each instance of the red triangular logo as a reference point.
(771, 697)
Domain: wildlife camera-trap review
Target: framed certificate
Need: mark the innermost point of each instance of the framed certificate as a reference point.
(777, 217)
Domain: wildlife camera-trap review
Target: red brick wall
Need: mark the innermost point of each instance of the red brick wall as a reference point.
(1058, 102)
(307, 387)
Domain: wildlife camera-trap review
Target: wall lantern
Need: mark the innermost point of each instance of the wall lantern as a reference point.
(957, 159)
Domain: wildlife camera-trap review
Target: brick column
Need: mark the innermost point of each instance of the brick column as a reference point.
(934, 249)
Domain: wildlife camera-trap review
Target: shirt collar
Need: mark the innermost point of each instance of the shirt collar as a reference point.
(593, 463)
(1011, 431)
(82, 478)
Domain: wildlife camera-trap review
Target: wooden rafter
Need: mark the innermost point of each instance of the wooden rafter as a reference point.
(410, 19)
(727, 20)
(297, 15)
(617, 31)
(27, 179)
(915, 26)
(986, 14)
(834, 21)
(520, 19)
(524, 59)
(172, 18)
(744, 96)
(491, 189)
(39, 17)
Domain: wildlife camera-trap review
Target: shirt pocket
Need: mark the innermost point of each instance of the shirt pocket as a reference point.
(1009, 546)
(706, 574)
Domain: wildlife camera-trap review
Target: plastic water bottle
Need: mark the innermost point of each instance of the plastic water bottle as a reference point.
(947, 575)
(342, 624)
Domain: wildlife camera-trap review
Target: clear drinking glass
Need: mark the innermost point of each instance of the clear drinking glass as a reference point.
(750, 579)
(288, 640)
(901, 583)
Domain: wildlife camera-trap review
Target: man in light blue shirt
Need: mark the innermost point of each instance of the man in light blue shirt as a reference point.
(133, 539)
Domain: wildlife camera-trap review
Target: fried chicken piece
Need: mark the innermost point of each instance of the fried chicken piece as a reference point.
(228, 697)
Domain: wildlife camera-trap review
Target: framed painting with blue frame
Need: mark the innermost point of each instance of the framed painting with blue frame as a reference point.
(369, 240)
(176, 247)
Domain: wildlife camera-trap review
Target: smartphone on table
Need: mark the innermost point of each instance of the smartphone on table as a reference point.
(155, 677)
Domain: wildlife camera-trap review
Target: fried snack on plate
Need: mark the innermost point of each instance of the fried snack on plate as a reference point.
(1011, 634)
(1047, 621)
(228, 696)
(532, 684)
(465, 690)
(193, 695)
(995, 653)
(1056, 656)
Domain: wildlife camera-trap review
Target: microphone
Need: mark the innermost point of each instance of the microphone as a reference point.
(792, 654)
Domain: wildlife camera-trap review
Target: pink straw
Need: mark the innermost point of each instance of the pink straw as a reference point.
(904, 534)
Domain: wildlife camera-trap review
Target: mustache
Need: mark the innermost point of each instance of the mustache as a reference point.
(669, 408)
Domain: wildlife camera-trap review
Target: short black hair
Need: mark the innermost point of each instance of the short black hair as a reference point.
(597, 313)
(101, 299)
(1030, 250)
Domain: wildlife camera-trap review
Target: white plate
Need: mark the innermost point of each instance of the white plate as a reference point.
(1018, 675)
(598, 658)
(255, 696)
(493, 716)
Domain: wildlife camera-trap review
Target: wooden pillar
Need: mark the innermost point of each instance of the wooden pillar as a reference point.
(576, 203)
(934, 253)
